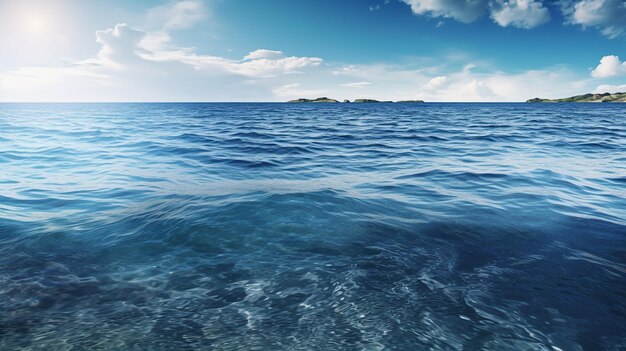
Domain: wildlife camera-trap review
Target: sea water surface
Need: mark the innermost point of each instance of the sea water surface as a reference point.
(312, 226)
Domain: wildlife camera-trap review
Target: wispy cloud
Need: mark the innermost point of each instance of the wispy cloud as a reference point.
(610, 88)
(178, 15)
(356, 84)
(294, 90)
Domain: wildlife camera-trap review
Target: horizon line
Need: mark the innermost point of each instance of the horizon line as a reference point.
(256, 102)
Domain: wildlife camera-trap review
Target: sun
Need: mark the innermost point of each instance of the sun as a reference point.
(34, 23)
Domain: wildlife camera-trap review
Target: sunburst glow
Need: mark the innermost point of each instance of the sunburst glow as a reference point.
(35, 22)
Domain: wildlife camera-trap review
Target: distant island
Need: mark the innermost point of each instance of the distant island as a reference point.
(605, 97)
(325, 99)
(320, 99)
(367, 101)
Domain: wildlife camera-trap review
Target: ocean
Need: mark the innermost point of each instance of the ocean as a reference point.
(269, 226)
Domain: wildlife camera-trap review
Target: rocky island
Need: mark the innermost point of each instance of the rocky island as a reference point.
(320, 99)
(325, 99)
(605, 97)
(369, 101)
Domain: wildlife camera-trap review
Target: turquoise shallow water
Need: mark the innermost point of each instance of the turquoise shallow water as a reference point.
(312, 227)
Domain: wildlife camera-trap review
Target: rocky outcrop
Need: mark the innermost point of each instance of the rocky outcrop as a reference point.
(320, 99)
(325, 99)
(605, 97)
(369, 101)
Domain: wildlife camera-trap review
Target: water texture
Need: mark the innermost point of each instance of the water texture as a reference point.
(312, 227)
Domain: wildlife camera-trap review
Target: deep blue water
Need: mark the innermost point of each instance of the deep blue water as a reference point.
(312, 227)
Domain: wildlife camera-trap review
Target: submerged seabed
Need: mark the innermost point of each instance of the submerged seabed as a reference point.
(312, 227)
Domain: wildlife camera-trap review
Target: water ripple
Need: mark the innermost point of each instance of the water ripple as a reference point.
(301, 227)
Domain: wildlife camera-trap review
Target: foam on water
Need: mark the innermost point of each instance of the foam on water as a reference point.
(301, 227)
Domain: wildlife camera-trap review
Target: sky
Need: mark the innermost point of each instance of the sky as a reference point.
(276, 50)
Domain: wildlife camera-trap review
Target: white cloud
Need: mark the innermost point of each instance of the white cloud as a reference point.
(356, 84)
(124, 48)
(269, 67)
(437, 82)
(461, 10)
(610, 66)
(501, 86)
(293, 90)
(119, 45)
(264, 54)
(178, 15)
(519, 13)
(187, 76)
(604, 88)
(609, 16)
(449, 80)
(156, 41)
(135, 65)
(477, 90)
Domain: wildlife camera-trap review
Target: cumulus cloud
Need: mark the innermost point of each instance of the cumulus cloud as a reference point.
(610, 66)
(519, 13)
(122, 45)
(609, 16)
(119, 44)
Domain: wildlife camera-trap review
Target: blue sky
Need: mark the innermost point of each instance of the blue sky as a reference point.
(245, 50)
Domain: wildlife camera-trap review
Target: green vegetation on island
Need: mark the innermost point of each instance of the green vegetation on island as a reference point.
(320, 99)
(605, 97)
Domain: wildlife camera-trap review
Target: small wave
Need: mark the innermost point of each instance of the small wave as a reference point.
(468, 176)
(295, 227)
